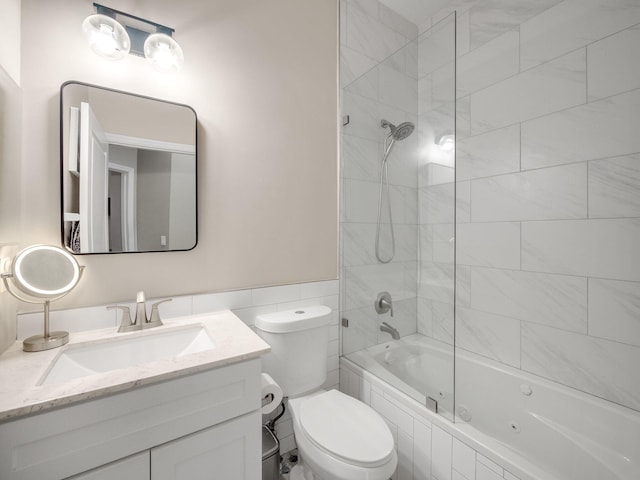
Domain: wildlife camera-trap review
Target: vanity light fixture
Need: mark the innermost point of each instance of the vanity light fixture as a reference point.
(113, 34)
(106, 36)
(163, 52)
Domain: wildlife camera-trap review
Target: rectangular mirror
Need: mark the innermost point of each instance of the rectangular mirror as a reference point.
(128, 172)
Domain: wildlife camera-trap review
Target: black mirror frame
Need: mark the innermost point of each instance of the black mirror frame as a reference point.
(62, 146)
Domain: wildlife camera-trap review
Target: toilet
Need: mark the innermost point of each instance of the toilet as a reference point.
(338, 437)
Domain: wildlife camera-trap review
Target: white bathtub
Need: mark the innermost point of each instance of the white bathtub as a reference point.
(416, 366)
(541, 429)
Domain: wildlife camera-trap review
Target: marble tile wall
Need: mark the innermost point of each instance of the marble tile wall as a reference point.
(369, 33)
(436, 179)
(548, 171)
(246, 304)
(378, 65)
(547, 190)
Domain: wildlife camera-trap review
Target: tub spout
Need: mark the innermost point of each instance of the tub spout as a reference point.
(385, 327)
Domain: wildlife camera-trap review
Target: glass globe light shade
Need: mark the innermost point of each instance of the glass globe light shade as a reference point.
(163, 52)
(106, 36)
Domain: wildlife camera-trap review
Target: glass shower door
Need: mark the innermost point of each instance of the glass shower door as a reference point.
(398, 218)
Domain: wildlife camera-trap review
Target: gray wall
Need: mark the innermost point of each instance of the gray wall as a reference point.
(115, 211)
(152, 198)
(182, 215)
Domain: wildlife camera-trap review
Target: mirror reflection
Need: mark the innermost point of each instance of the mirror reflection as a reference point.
(128, 172)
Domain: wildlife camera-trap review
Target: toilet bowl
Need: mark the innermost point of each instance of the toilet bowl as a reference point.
(338, 437)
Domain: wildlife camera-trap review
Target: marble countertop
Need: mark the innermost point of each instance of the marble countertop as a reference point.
(21, 373)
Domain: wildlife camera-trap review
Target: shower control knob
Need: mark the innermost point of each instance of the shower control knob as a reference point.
(383, 303)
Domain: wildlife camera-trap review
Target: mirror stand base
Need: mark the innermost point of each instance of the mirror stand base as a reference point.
(38, 343)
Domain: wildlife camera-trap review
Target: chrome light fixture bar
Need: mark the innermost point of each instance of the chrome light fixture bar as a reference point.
(113, 34)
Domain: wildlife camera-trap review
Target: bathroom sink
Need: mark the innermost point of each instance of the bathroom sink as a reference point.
(127, 351)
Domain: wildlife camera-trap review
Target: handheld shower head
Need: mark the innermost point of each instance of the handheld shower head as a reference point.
(400, 132)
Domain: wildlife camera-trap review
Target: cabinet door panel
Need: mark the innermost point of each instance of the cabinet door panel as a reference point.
(135, 467)
(230, 451)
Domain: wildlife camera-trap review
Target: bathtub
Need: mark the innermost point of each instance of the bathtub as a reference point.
(415, 365)
(540, 429)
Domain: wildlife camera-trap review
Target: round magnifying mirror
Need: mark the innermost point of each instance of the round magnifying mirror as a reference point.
(44, 271)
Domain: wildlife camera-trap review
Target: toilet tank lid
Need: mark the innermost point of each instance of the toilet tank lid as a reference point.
(294, 320)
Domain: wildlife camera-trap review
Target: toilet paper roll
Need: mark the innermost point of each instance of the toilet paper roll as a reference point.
(271, 391)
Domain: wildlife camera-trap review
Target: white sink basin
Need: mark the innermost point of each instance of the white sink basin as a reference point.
(127, 351)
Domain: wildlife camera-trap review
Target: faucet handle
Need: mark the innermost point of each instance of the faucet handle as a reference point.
(389, 304)
(155, 314)
(125, 323)
(383, 303)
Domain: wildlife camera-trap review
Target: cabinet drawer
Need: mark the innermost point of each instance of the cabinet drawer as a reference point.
(74, 439)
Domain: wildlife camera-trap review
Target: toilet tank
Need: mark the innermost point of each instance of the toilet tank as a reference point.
(298, 340)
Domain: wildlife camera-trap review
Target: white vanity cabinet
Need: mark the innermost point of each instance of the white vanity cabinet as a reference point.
(135, 467)
(225, 451)
(202, 425)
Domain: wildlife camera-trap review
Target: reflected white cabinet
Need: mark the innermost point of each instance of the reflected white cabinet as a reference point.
(135, 467)
(206, 420)
(225, 451)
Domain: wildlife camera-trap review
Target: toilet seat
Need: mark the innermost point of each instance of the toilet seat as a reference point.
(346, 428)
(319, 440)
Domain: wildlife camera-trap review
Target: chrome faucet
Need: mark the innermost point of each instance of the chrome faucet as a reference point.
(141, 321)
(385, 327)
(141, 310)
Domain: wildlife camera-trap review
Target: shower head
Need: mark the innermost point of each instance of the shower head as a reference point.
(400, 132)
